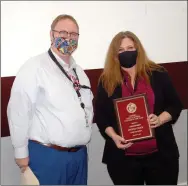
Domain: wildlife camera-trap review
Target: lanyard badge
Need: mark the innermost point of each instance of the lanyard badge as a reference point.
(75, 82)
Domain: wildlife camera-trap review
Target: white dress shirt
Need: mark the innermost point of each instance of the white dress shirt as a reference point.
(44, 106)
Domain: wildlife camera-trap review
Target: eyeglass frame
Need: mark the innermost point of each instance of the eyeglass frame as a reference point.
(67, 33)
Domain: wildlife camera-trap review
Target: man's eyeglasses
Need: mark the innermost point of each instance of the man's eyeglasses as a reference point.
(64, 33)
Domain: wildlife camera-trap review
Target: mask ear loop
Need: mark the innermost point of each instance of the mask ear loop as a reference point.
(52, 41)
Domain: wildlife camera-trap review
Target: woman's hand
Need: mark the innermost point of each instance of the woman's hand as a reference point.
(120, 142)
(154, 121)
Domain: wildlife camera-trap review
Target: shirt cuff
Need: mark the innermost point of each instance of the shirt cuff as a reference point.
(21, 152)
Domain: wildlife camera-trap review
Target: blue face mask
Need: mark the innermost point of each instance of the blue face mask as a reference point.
(66, 47)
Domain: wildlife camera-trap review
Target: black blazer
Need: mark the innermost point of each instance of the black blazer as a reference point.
(166, 99)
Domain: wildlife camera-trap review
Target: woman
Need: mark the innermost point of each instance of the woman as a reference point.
(127, 72)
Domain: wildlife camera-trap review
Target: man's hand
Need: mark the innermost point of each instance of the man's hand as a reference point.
(120, 142)
(22, 163)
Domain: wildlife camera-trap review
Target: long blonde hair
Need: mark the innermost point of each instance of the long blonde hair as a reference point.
(112, 76)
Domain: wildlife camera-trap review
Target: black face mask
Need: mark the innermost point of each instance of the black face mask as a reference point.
(127, 59)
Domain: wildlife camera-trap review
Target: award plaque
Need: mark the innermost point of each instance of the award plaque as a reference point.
(132, 114)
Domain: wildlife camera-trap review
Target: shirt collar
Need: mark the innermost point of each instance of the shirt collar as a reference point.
(66, 66)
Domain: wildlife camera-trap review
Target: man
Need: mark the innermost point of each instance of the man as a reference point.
(50, 111)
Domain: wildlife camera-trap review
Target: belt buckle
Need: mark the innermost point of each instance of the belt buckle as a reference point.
(72, 149)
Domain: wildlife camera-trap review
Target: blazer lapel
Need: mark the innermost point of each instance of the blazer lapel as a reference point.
(117, 92)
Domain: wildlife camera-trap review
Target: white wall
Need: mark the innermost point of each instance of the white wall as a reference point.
(25, 27)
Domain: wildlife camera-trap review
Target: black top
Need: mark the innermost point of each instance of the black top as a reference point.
(166, 99)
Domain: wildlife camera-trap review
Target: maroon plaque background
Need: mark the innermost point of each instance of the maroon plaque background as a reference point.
(132, 113)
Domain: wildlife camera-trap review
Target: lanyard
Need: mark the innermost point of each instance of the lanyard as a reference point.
(76, 86)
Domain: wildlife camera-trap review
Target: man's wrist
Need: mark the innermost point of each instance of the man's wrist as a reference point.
(21, 152)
